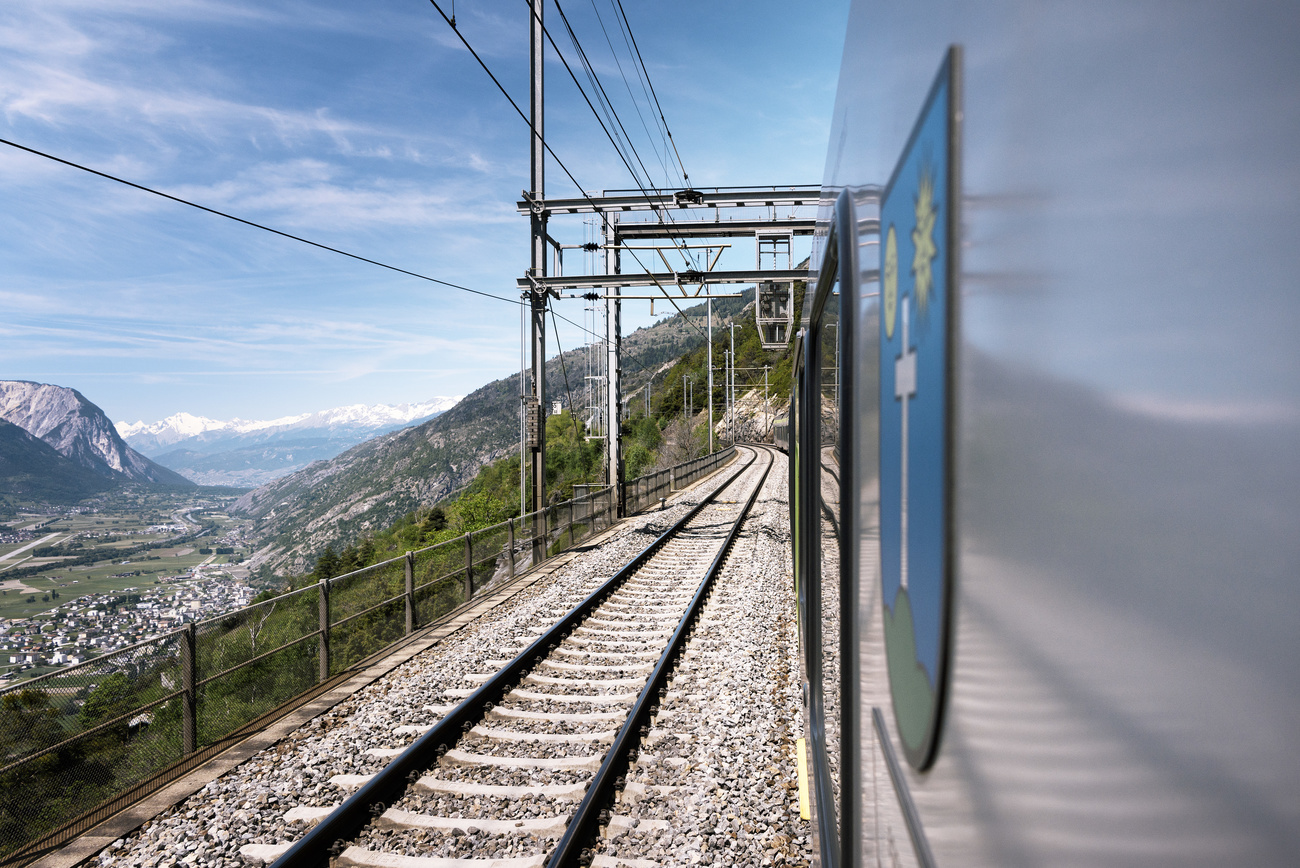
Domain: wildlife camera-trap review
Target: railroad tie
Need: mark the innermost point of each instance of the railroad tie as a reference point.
(547, 827)
(594, 699)
(456, 757)
(583, 682)
(363, 858)
(513, 735)
(606, 861)
(500, 713)
(568, 792)
(620, 824)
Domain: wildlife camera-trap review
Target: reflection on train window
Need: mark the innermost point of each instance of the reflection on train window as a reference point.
(828, 341)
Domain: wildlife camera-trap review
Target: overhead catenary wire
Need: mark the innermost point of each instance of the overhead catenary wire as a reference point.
(603, 95)
(608, 133)
(640, 368)
(252, 223)
(594, 111)
(663, 160)
(685, 177)
(642, 76)
(677, 243)
(545, 144)
(680, 312)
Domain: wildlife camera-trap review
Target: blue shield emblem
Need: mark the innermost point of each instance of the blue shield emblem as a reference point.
(918, 269)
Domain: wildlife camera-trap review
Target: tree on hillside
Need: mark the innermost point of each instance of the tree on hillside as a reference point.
(112, 698)
(435, 521)
(327, 565)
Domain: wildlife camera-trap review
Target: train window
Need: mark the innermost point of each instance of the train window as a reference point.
(818, 545)
(827, 341)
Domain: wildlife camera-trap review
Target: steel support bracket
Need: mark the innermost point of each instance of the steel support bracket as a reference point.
(535, 206)
(536, 287)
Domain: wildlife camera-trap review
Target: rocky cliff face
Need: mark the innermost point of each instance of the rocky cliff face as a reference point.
(79, 431)
(31, 470)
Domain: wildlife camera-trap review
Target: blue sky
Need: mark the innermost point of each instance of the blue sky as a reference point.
(365, 126)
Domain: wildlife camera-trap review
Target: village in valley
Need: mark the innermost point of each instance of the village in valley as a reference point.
(86, 581)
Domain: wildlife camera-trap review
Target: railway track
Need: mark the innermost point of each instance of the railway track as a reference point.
(519, 766)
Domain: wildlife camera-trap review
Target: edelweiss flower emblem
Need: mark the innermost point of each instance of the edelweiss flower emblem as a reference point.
(923, 238)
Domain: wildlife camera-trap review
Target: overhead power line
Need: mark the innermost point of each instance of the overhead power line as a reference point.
(594, 111)
(511, 100)
(604, 96)
(685, 177)
(288, 235)
(677, 243)
(598, 337)
(663, 161)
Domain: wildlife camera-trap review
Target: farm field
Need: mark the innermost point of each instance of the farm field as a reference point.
(26, 592)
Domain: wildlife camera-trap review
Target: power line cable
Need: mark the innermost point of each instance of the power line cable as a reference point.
(640, 368)
(677, 244)
(643, 78)
(591, 72)
(685, 176)
(667, 295)
(551, 151)
(298, 238)
(594, 111)
(519, 111)
(513, 104)
(545, 144)
(628, 85)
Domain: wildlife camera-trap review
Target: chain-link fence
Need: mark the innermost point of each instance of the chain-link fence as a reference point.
(78, 744)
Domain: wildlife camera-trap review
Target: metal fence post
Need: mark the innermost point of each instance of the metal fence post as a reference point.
(324, 629)
(570, 522)
(410, 593)
(510, 545)
(469, 568)
(189, 701)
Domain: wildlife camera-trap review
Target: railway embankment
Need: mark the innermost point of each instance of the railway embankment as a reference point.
(724, 732)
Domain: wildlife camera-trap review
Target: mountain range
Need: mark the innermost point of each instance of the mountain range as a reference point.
(247, 453)
(56, 446)
(373, 484)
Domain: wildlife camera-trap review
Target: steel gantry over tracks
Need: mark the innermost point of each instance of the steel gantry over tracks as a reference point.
(670, 200)
(623, 218)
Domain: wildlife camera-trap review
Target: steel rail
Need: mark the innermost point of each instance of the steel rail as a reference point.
(317, 846)
(585, 824)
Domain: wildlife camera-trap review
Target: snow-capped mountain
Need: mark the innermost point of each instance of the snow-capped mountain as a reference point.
(251, 452)
(78, 430)
(181, 426)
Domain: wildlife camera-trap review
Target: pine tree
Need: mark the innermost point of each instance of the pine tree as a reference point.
(327, 565)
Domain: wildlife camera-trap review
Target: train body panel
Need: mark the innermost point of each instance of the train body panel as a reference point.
(1126, 615)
